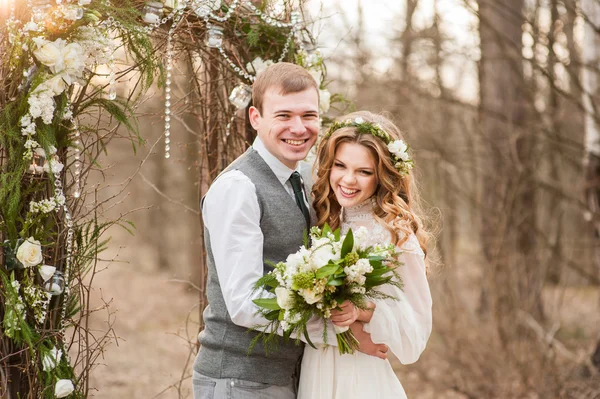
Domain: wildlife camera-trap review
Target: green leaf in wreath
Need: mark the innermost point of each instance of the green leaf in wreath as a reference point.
(336, 282)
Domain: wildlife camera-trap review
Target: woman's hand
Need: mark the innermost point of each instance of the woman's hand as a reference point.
(346, 316)
(350, 313)
(367, 346)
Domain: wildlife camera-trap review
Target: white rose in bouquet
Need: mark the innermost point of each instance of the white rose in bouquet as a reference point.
(30, 252)
(360, 238)
(284, 298)
(322, 256)
(310, 296)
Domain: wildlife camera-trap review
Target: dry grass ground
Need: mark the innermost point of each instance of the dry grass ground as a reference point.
(148, 358)
(151, 322)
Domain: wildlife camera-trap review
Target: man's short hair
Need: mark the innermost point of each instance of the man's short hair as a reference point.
(291, 78)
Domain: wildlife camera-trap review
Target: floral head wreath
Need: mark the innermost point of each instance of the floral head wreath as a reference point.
(398, 148)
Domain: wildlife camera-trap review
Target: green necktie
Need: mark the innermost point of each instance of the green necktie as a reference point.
(296, 181)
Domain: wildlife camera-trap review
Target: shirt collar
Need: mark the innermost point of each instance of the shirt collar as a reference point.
(282, 172)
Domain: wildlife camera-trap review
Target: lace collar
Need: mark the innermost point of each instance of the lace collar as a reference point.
(361, 211)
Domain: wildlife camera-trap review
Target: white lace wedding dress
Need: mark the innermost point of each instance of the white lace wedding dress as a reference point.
(403, 325)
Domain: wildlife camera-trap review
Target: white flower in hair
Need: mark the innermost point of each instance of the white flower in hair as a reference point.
(398, 148)
(359, 120)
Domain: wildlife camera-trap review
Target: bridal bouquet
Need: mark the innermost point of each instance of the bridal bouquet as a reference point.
(316, 279)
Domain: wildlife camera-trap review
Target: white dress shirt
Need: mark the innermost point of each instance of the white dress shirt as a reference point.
(232, 216)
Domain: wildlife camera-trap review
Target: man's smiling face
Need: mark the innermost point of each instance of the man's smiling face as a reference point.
(289, 123)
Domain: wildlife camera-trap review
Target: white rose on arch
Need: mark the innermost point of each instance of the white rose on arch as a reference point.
(46, 272)
(258, 65)
(51, 359)
(30, 252)
(317, 76)
(63, 388)
(48, 53)
(325, 98)
(54, 165)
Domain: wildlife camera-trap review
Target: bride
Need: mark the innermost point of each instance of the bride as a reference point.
(364, 180)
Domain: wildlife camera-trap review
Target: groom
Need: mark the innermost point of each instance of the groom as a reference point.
(258, 210)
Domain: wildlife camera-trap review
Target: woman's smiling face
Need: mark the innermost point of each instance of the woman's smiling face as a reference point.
(352, 177)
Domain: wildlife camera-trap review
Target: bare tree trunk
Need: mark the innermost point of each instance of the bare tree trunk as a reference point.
(508, 216)
(591, 95)
(407, 39)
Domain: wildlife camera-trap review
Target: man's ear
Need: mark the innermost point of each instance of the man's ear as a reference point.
(254, 116)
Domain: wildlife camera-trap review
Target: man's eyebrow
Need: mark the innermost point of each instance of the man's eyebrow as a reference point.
(287, 111)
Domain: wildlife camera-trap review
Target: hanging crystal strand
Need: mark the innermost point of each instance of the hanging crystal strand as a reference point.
(168, 93)
(11, 17)
(112, 90)
(176, 18)
(59, 193)
(77, 156)
(286, 48)
(228, 128)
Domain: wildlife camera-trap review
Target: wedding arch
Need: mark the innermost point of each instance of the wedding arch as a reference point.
(61, 67)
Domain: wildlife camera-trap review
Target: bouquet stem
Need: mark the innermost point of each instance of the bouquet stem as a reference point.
(347, 343)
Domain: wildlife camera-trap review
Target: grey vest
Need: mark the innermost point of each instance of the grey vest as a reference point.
(224, 345)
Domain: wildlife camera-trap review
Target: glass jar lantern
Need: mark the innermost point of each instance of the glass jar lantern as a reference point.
(214, 37)
(10, 254)
(37, 164)
(152, 12)
(240, 96)
(55, 284)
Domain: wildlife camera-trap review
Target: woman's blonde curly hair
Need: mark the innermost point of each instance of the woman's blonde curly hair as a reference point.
(397, 203)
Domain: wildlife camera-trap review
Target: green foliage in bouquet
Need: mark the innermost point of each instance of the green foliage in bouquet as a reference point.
(314, 281)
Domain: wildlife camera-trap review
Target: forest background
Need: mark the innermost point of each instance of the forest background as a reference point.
(499, 102)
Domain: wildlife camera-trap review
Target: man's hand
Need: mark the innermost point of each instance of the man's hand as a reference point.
(366, 345)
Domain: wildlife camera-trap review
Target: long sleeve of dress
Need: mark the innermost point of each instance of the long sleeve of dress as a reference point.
(405, 324)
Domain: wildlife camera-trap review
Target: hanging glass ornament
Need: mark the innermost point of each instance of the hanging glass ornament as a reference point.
(152, 12)
(38, 161)
(214, 37)
(56, 284)
(240, 96)
(10, 255)
(295, 17)
(203, 7)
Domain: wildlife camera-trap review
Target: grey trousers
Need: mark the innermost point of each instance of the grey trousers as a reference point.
(233, 388)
